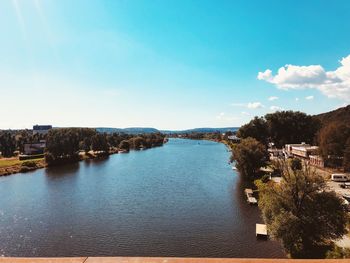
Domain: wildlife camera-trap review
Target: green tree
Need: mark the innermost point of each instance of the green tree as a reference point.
(346, 161)
(295, 164)
(250, 156)
(291, 127)
(333, 142)
(124, 145)
(338, 252)
(302, 213)
(99, 142)
(256, 128)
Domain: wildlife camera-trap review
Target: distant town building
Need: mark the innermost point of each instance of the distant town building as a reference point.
(305, 151)
(316, 160)
(41, 129)
(34, 148)
(302, 150)
(233, 138)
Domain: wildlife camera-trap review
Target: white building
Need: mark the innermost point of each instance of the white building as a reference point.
(41, 129)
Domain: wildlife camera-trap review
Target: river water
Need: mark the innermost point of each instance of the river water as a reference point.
(181, 199)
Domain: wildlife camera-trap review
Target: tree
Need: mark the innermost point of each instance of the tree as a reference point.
(250, 156)
(256, 128)
(333, 141)
(99, 143)
(124, 145)
(302, 213)
(346, 161)
(295, 164)
(338, 252)
(291, 127)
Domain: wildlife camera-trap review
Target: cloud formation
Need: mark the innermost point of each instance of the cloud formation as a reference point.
(249, 105)
(309, 97)
(272, 98)
(224, 117)
(276, 108)
(255, 105)
(333, 84)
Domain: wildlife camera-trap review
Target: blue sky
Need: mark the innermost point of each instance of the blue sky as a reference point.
(170, 64)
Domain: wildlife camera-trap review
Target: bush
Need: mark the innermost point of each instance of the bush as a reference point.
(265, 178)
(29, 164)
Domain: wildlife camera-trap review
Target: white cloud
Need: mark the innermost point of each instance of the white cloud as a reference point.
(296, 99)
(333, 84)
(249, 105)
(224, 117)
(309, 97)
(255, 105)
(276, 108)
(272, 98)
(245, 113)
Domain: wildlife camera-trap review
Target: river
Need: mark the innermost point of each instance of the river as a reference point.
(181, 199)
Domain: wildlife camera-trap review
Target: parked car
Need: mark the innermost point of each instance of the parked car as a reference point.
(339, 178)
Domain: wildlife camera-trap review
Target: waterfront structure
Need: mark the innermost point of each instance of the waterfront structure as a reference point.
(233, 138)
(41, 129)
(261, 230)
(306, 152)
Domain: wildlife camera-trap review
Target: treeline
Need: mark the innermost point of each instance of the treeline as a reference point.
(281, 128)
(285, 127)
(301, 211)
(12, 141)
(213, 136)
(334, 143)
(64, 144)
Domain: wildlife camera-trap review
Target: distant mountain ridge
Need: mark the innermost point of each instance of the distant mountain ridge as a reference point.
(338, 115)
(131, 130)
(139, 130)
(202, 130)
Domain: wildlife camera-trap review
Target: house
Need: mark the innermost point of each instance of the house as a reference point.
(41, 129)
(34, 148)
(233, 138)
(316, 160)
(306, 152)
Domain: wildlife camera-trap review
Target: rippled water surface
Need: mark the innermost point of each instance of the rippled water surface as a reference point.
(182, 199)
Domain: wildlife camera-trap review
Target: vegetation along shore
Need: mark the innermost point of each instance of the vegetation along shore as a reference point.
(65, 145)
(289, 157)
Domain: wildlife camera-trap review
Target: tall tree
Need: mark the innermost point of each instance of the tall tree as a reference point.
(256, 128)
(250, 156)
(302, 212)
(291, 127)
(333, 141)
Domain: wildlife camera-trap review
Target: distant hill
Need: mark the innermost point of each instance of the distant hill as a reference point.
(338, 115)
(201, 130)
(132, 130)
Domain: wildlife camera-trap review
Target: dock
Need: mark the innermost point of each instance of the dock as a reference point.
(261, 231)
(250, 198)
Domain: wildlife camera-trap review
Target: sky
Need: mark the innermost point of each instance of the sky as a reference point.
(173, 64)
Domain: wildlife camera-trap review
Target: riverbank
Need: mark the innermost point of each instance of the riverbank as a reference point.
(13, 165)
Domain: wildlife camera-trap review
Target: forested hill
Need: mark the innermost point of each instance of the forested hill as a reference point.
(341, 115)
(132, 130)
(202, 130)
(141, 130)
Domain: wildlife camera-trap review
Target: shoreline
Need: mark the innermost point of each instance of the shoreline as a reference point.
(34, 164)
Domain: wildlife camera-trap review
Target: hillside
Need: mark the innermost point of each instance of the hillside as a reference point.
(132, 130)
(201, 130)
(338, 115)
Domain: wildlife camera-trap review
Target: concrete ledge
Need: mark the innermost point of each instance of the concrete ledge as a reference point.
(161, 260)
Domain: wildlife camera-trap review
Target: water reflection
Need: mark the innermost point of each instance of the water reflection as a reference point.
(182, 199)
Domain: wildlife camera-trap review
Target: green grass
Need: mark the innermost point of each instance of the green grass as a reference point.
(9, 162)
(12, 162)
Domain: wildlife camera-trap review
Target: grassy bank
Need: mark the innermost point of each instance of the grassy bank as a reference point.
(14, 165)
